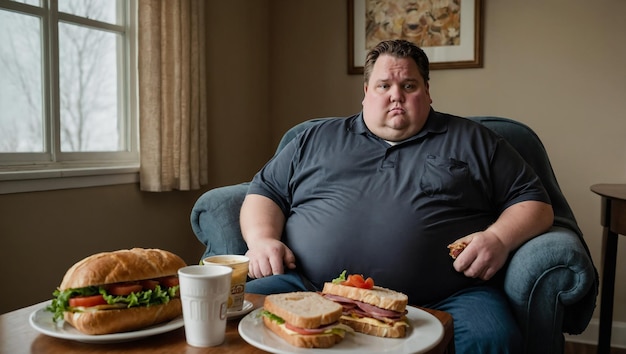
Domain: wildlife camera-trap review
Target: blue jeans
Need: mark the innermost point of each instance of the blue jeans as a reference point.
(483, 321)
(275, 284)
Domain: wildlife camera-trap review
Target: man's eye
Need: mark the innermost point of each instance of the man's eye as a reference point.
(383, 86)
(410, 87)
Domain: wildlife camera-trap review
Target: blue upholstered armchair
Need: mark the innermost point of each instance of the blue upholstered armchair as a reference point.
(550, 281)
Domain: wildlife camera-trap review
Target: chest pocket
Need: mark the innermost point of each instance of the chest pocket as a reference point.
(448, 179)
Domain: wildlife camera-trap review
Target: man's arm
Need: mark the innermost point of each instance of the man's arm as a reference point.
(262, 223)
(488, 250)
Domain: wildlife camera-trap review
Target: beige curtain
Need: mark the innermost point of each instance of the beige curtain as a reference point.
(172, 95)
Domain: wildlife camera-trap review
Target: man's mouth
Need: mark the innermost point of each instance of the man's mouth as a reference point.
(396, 110)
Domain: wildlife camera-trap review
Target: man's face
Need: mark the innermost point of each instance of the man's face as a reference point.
(396, 102)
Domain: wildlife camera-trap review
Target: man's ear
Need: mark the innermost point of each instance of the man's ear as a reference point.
(364, 92)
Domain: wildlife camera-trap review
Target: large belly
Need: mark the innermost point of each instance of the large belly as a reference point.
(395, 246)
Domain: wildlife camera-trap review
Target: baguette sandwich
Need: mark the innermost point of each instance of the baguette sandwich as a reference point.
(367, 308)
(119, 291)
(304, 319)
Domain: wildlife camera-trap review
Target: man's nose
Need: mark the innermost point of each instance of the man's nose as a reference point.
(396, 94)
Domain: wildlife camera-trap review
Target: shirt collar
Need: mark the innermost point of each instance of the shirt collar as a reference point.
(435, 124)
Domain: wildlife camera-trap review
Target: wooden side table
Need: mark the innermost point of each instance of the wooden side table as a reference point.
(614, 223)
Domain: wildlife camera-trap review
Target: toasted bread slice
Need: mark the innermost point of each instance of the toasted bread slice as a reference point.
(375, 327)
(303, 309)
(324, 340)
(378, 296)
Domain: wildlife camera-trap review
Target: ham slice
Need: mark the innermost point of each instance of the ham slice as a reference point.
(362, 309)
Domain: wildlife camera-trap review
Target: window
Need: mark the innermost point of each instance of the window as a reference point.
(67, 94)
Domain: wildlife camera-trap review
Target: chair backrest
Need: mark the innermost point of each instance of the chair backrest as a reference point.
(523, 139)
(297, 129)
(530, 147)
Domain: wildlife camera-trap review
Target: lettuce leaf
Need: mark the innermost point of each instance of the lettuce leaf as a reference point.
(143, 298)
(341, 278)
(158, 296)
(61, 300)
(272, 317)
(340, 329)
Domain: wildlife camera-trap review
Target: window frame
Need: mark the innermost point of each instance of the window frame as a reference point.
(54, 169)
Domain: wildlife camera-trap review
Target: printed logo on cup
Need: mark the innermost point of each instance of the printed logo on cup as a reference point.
(238, 289)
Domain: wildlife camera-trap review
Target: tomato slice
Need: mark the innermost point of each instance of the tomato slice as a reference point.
(357, 281)
(301, 330)
(369, 283)
(87, 301)
(168, 282)
(123, 289)
(149, 284)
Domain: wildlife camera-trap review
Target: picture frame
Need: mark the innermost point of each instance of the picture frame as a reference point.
(456, 45)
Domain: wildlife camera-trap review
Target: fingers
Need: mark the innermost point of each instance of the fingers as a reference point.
(290, 259)
(276, 266)
(259, 268)
(264, 263)
(478, 267)
(478, 272)
(480, 261)
(474, 265)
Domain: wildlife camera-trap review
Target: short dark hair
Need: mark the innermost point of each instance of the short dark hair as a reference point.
(398, 48)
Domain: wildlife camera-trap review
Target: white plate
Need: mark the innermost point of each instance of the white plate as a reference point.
(41, 320)
(425, 332)
(247, 307)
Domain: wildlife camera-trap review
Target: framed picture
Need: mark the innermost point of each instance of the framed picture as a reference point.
(449, 31)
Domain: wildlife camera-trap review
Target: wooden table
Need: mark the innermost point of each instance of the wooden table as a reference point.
(17, 336)
(614, 223)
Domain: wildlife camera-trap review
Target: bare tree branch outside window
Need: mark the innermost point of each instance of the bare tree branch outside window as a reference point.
(89, 112)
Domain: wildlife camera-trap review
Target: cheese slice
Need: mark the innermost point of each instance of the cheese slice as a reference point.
(99, 307)
(376, 322)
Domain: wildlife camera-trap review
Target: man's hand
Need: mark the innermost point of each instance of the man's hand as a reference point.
(484, 255)
(487, 251)
(262, 223)
(268, 257)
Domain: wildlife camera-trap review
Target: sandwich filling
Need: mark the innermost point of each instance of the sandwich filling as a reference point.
(359, 309)
(333, 328)
(114, 296)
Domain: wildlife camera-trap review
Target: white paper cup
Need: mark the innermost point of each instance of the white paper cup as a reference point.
(204, 293)
(239, 264)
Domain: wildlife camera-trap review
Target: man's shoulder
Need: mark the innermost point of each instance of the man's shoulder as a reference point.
(332, 122)
(455, 120)
(460, 125)
(323, 127)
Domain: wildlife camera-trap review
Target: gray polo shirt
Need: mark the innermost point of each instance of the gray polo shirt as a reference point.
(355, 202)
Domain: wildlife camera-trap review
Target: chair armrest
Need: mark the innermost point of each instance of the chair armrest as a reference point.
(215, 220)
(551, 278)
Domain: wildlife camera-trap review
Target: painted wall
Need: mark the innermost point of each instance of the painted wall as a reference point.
(556, 65)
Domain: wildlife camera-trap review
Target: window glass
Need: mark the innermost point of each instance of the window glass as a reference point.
(100, 10)
(88, 77)
(21, 87)
(29, 2)
(68, 99)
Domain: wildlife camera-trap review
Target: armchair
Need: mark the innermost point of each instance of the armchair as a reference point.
(550, 281)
